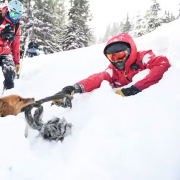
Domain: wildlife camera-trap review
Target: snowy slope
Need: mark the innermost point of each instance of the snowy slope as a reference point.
(135, 138)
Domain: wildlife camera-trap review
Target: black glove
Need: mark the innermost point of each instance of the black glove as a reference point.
(65, 102)
(128, 91)
(8, 33)
(68, 93)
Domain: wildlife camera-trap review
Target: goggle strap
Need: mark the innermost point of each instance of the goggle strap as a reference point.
(129, 51)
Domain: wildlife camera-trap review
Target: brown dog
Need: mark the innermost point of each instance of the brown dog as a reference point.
(13, 104)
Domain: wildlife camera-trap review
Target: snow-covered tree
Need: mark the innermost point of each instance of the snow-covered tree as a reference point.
(115, 29)
(43, 24)
(121, 26)
(153, 19)
(100, 40)
(77, 33)
(166, 17)
(47, 18)
(107, 35)
(172, 17)
(59, 18)
(26, 20)
(3, 3)
(127, 25)
(139, 27)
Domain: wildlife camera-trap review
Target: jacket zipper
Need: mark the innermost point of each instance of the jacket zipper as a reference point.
(126, 76)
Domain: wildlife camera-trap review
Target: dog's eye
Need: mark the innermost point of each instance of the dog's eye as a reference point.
(20, 99)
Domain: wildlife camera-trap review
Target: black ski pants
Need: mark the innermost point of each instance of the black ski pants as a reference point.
(8, 69)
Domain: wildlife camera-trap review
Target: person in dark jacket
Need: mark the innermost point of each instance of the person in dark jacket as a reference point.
(33, 47)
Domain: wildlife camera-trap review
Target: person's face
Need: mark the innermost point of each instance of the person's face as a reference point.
(15, 16)
(118, 59)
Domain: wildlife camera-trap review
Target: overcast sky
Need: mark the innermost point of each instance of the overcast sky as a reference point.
(107, 11)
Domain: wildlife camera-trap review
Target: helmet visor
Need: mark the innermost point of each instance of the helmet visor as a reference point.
(15, 15)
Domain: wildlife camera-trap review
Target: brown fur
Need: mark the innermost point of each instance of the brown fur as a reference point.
(12, 105)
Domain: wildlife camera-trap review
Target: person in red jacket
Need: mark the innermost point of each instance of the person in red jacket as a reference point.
(125, 62)
(10, 40)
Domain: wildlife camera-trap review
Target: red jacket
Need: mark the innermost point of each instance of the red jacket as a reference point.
(158, 65)
(5, 47)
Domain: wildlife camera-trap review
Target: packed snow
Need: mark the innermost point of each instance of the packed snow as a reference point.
(113, 138)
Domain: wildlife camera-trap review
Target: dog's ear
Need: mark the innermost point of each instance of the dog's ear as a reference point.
(6, 109)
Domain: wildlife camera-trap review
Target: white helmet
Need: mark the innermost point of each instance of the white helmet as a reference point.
(15, 6)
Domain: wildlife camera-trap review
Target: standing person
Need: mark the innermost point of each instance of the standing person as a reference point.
(33, 48)
(10, 41)
(125, 63)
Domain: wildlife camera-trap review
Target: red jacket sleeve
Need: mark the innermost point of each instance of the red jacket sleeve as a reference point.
(94, 81)
(16, 47)
(157, 65)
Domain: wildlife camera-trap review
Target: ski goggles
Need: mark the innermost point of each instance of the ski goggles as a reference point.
(15, 15)
(120, 56)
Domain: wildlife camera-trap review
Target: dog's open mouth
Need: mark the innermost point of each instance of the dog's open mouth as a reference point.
(31, 101)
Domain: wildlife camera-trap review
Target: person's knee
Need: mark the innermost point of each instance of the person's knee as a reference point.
(8, 84)
(9, 72)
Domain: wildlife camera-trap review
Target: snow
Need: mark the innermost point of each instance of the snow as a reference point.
(113, 138)
(146, 59)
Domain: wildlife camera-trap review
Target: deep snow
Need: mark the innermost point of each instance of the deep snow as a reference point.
(113, 138)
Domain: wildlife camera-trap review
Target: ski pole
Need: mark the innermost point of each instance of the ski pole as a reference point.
(3, 91)
(26, 46)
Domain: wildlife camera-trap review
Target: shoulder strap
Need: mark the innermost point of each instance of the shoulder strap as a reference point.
(17, 27)
(135, 66)
(1, 18)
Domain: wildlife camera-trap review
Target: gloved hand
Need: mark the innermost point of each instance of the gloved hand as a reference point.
(17, 66)
(128, 91)
(67, 93)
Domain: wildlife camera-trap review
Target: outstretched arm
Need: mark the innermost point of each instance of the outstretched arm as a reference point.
(158, 66)
(86, 85)
(94, 81)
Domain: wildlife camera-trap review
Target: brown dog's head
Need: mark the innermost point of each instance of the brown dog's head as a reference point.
(12, 105)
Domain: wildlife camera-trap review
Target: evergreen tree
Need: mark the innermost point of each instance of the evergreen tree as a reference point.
(43, 24)
(121, 27)
(140, 27)
(152, 16)
(26, 21)
(100, 40)
(115, 29)
(172, 17)
(59, 18)
(166, 18)
(3, 3)
(127, 25)
(107, 35)
(77, 33)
